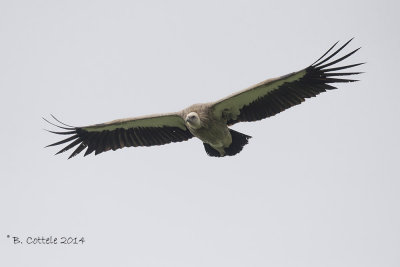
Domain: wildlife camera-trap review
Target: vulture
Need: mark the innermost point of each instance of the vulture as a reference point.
(210, 121)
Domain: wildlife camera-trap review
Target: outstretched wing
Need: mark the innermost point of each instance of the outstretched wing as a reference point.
(275, 95)
(140, 131)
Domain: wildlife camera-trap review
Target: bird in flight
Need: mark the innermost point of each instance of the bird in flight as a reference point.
(210, 121)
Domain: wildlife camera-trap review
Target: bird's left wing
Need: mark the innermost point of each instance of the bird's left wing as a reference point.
(275, 95)
(140, 131)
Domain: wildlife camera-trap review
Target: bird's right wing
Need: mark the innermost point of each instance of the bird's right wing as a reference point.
(276, 95)
(150, 130)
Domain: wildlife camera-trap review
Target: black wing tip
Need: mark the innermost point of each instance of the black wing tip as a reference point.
(61, 121)
(341, 67)
(68, 127)
(324, 58)
(322, 72)
(72, 155)
(71, 131)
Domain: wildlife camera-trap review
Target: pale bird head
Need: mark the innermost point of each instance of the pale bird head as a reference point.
(193, 120)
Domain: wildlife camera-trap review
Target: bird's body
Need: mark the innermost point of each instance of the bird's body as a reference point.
(210, 130)
(210, 122)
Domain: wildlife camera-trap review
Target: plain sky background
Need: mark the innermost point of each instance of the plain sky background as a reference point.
(318, 185)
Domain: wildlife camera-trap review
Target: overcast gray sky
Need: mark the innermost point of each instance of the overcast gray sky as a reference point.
(318, 185)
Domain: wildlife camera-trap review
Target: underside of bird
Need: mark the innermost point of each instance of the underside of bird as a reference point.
(210, 121)
(239, 140)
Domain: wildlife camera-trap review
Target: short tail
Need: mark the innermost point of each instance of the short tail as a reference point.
(239, 140)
